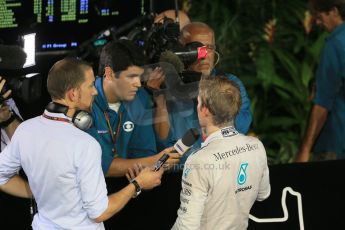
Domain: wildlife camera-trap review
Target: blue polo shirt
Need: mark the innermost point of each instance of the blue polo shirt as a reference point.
(330, 94)
(131, 125)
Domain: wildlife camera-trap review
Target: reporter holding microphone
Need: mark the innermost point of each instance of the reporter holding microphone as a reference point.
(62, 162)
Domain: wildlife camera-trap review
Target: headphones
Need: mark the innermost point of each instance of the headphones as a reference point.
(81, 118)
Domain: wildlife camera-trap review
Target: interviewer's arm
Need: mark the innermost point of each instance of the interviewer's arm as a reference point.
(17, 186)
(10, 182)
(116, 202)
(119, 166)
(147, 179)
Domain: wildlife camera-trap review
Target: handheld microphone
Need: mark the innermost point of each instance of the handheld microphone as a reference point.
(160, 162)
(188, 139)
(177, 83)
(171, 58)
(181, 146)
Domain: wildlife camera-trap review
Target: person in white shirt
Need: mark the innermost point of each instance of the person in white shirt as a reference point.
(62, 162)
(222, 180)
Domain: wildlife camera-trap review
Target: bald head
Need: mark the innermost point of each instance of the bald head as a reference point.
(194, 29)
(200, 32)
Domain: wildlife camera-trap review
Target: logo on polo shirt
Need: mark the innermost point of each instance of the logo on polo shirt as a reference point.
(228, 132)
(102, 131)
(242, 175)
(186, 172)
(128, 126)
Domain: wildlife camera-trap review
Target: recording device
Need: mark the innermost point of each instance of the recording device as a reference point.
(160, 37)
(187, 76)
(12, 57)
(188, 139)
(160, 162)
(179, 84)
(154, 38)
(23, 83)
(191, 52)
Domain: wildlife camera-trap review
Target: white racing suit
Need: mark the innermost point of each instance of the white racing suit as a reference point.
(221, 181)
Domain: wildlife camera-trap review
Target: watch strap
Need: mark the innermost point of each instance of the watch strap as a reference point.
(137, 187)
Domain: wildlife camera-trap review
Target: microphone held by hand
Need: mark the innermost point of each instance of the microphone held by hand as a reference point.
(188, 139)
(160, 162)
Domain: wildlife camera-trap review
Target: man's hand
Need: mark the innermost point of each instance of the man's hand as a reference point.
(156, 79)
(302, 157)
(4, 96)
(174, 157)
(317, 119)
(134, 171)
(5, 112)
(148, 179)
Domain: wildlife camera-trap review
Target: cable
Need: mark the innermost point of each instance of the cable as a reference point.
(218, 57)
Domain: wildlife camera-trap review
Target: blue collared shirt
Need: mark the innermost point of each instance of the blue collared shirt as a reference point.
(131, 125)
(330, 94)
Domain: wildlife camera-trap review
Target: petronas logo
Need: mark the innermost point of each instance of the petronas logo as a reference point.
(186, 172)
(242, 175)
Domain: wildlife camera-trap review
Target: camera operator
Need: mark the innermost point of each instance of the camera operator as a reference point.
(201, 32)
(183, 18)
(182, 113)
(9, 116)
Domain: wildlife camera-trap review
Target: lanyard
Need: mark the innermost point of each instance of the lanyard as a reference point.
(56, 118)
(113, 137)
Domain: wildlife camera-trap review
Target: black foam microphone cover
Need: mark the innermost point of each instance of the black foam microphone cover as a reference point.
(188, 139)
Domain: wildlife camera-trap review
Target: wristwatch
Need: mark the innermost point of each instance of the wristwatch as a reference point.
(137, 188)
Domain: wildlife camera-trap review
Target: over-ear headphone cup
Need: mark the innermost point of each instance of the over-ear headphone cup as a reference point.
(55, 107)
(82, 120)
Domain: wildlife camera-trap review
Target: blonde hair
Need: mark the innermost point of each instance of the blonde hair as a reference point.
(222, 97)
